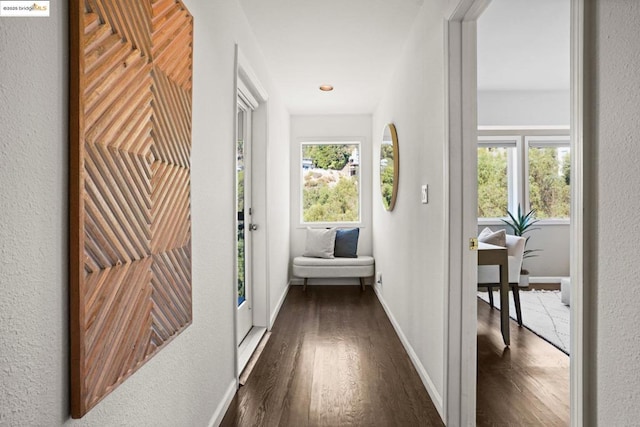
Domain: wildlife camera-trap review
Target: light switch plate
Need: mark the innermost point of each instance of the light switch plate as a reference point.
(425, 194)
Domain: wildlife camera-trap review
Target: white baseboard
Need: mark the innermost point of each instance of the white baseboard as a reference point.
(545, 279)
(278, 306)
(221, 410)
(426, 380)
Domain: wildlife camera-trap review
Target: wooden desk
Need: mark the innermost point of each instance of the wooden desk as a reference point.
(497, 255)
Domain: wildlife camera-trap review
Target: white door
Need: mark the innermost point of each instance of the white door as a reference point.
(243, 220)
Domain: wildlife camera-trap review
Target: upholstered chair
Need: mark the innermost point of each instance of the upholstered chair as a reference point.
(489, 275)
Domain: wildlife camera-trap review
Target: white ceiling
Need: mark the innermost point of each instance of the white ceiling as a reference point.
(354, 44)
(350, 44)
(524, 45)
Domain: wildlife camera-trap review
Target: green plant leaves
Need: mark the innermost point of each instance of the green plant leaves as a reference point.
(523, 223)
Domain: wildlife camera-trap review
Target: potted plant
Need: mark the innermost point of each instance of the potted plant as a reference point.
(520, 224)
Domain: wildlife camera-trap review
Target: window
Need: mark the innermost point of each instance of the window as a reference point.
(531, 168)
(497, 176)
(330, 177)
(549, 170)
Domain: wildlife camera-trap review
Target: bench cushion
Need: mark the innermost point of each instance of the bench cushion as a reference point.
(362, 266)
(325, 262)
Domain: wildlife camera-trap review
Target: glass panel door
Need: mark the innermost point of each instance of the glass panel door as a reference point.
(243, 220)
(240, 176)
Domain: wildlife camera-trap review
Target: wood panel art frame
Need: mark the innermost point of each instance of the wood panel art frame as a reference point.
(130, 209)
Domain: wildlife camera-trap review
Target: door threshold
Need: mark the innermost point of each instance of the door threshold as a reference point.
(248, 346)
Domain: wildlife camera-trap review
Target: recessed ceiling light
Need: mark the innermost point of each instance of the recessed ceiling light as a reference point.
(326, 88)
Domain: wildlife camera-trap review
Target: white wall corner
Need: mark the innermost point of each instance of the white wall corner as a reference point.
(436, 398)
(221, 410)
(278, 306)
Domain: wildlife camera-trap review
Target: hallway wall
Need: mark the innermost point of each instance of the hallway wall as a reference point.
(193, 376)
(408, 243)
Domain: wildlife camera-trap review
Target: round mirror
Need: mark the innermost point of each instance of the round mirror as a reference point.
(389, 166)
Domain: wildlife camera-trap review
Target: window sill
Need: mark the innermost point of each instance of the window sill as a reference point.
(542, 222)
(330, 225)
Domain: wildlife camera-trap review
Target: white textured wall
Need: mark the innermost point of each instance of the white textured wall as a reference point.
(329, 128)
(612, 117)
(278, 201)
(408, 243)
(185, 382)
(523, 107)
(33, 225)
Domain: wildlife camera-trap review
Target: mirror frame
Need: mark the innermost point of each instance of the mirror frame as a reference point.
(396, 166)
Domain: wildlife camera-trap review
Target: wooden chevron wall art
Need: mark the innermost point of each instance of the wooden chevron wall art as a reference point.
(130, 208)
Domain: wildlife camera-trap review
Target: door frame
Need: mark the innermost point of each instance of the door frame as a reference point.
(580, 160)
(246, 80)
(461, 207)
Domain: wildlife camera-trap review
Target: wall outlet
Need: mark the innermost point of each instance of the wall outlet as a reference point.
(425, 194)
(379, 278)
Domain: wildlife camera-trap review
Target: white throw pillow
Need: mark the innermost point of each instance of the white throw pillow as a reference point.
(498, 238)
(320, 242)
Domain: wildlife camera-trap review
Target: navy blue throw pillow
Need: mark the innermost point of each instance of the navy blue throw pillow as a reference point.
(347, 243)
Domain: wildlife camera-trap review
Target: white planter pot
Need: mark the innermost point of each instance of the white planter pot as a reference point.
(524, 281)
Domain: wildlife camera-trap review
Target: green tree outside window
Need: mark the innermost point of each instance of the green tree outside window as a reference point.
(330, 190)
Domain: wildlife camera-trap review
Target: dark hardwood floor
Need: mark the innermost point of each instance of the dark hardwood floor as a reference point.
(525, 385)
(333, 359)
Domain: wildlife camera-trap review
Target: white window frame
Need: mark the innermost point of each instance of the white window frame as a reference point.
(518, 181)
(513, 166)
(542, 141)
(301, 183)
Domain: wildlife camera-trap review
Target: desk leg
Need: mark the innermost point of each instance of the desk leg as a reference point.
(504, 303)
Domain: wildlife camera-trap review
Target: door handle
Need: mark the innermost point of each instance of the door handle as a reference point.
(253, 227)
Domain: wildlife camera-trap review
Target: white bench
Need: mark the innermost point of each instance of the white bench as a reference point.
(313, 268)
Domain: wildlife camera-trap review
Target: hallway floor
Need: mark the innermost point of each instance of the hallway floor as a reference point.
(527, 384)
(333, 359)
